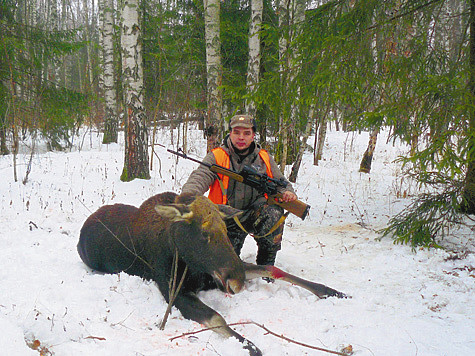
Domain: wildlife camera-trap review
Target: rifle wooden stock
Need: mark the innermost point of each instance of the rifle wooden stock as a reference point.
(227, 172)
(296, 207)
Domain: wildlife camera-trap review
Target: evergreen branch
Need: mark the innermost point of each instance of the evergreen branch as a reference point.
(430, 216)
(404, 14)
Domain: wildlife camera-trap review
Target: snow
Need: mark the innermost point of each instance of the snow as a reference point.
(403, 301)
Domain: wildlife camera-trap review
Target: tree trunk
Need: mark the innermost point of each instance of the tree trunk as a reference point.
(254, 63)
(322, 133)
(468, 193)
(303, 143)
(3, 128)
(3, 140)
(213, 127)
(291, 16)
(283, 13)
(414, 143)
(65, 64)
(365, 165)
(111, 119)
(136, 136)
(468, 196)
(51, 69)
(88, 47)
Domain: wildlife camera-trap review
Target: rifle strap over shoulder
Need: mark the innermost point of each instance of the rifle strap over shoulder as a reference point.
(277, 224)
(223, 189)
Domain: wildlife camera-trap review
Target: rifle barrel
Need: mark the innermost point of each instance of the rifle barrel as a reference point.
(184, 155)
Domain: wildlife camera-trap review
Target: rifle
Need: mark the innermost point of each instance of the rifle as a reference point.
(259, 181)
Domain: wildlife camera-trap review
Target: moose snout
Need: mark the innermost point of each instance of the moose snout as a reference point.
(227, 282)
(233, 286)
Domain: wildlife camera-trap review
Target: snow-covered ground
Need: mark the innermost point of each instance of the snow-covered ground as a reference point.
(403, 302)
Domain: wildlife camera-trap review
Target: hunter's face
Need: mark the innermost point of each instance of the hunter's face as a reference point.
(242, 137)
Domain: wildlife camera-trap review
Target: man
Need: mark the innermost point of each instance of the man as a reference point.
(260, 219)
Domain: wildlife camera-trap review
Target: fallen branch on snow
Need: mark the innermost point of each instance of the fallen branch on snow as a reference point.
(268, 332)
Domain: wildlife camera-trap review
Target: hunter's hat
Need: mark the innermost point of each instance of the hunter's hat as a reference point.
(246, 121)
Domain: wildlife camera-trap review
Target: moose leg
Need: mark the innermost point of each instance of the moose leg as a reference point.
(191, 307)
(320, 290)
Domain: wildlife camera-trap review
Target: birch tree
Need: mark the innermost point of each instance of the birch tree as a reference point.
(3, 129)
(291, 16)
(136, 136)
(110, 119)
(390, 50)
(283, 13)
(254, 62)
(88, 48)
(298, 161)
(213, 125)
(365, 165)
(321, 122)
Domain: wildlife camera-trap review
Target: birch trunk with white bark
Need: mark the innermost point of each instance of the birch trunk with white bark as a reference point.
(365, 165)
(283, 13)
(320, 138)
(213, 126)
(254, 62)
(136, 135)
(291, 16)
(108, 83)
(303, 144)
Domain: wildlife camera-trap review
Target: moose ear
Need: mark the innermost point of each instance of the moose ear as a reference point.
(228, 212)
(175, 212)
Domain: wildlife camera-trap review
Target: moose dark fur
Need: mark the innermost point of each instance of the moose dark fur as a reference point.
(143, 241)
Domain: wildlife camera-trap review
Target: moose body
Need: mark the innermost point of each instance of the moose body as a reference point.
(145, 242)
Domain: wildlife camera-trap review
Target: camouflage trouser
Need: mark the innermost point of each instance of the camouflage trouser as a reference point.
(259, 220)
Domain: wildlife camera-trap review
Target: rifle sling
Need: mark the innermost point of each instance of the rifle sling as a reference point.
(277, 224)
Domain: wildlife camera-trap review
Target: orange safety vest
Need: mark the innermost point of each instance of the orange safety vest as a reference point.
(218, 195)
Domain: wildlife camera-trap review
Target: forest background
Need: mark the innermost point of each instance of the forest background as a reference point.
(298, 66)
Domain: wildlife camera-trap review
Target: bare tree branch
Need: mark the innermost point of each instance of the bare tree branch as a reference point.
(268, 332)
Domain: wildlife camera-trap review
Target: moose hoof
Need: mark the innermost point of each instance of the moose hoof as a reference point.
(342, 295)
(253, 349)
(335, 293)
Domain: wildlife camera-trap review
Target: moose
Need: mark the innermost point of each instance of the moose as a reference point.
(187, 232)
